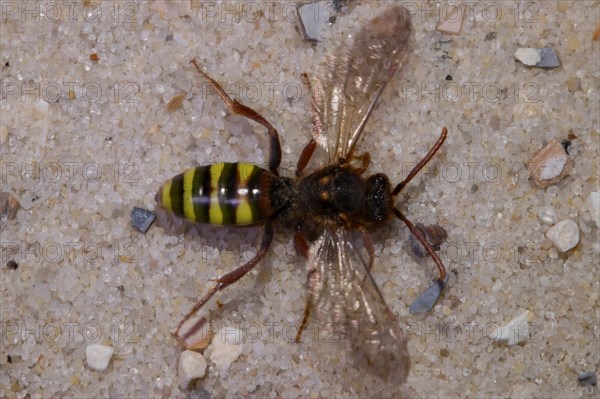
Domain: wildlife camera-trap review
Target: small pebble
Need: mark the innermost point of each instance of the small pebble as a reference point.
(435, 234)
(514, 332)
(311, 19)
(196, 334)
(548, 215)
(538, 57)
(587, 378)
(593, 205)
(9, 205)
(191, 366)
(452, 23)
(427, 299)
(142, 219)
(564, 235)
(98, 356)
(226, 347)
(175, 102)
(491, 36)
(549, 165)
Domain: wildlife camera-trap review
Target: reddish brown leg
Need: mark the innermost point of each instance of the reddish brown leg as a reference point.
(422, 163)
(317, 128)
(307, 309)
(307, 153)
(365, 160)
(302, 247)
(417, 233)
(238, 108)
(369, 246)
(232, 277)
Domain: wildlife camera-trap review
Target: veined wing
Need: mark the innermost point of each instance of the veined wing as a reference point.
(343, 295)
(352, 78)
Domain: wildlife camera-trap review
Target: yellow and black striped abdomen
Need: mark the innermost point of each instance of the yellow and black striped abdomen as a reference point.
(221, 194)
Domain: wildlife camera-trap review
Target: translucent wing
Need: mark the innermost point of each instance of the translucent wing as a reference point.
(344, 295)
(352, 78)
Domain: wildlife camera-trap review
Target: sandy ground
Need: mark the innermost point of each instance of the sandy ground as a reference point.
(85, 138)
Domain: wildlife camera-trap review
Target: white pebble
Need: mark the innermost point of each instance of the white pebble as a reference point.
(549, 165)
(548, 215)
(191, 366)
(564, 235)
(452, 23)
(226, 347)
(98, 356)
(593, 204)
(528, 56)
(514, 332)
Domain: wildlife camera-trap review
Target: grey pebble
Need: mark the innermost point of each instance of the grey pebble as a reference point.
(142, 219)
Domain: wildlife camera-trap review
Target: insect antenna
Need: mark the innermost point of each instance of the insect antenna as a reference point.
(421, 163)
(426, 299)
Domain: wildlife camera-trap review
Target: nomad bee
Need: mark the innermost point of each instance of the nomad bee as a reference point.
(330, 209)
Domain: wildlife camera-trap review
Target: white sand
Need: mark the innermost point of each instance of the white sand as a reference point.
(85, 276)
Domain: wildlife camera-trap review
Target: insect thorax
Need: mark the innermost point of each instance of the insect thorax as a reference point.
(341, 195)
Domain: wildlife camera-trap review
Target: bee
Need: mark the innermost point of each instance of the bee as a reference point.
(331, 209)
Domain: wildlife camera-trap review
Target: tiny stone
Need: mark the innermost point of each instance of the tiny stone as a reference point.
(593, 205)
(435, 235)
(549, 165)
(9, 205)
(453, 24)
(425, 301)
(549, 59)
(226, 348)
(491, 36)
(528, 56)
(564, 235)
(566, 144)
(191, 366)
(311, 19)
(98, 356)
(196, 334)
(142, 219)
(175, 102)
(514, 332)
(12, 265)
(541, 58)
(587, 378)
(548, 215)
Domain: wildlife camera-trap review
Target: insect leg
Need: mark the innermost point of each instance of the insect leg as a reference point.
(232, 277)
(302, 247)
(365, 160)
(238, 108)
(369, 246)
(422, 162)
(421, 237)
(307, 309)
(307, 153)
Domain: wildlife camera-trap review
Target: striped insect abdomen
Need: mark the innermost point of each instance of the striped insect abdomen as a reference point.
(221, 194)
